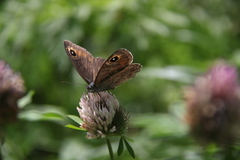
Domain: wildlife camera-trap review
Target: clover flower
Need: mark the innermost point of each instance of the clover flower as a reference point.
(102, 116)
(213, 106)
(11, 89)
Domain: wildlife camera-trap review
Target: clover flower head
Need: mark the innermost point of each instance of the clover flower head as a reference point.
(11, 89)
(102, 115)
(213, 106)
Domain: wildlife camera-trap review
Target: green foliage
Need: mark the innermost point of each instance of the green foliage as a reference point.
(26, 100)
(129, 148)
(120, 147)
(77, 120)
(74, 127)
(172, 39)
(122, 141)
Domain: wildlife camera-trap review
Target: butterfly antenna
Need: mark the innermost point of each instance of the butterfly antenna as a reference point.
(72, 83)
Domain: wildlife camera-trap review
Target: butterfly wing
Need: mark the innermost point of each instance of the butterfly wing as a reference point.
(116, 70)
(83, 61)
(120, 77)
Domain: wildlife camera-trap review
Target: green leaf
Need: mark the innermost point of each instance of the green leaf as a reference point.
(26, 99)
(128, 139)
(2, 138)
(129, 148)
(75, 119)
(42, 113)
(52, 116)
(120, 147)
(74, 127)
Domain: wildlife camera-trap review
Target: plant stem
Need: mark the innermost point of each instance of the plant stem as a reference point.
(1, 143)
(229, 154)
(110, 148)
(1, 153)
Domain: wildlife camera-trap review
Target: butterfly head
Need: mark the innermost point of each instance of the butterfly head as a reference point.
(90, 87)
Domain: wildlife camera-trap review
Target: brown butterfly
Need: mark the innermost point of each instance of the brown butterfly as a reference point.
(101, 74)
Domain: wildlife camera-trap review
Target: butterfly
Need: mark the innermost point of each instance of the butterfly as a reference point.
(101, 74)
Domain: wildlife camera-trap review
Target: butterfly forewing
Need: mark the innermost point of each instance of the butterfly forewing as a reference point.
(83, 61)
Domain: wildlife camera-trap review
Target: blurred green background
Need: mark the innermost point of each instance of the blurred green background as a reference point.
(173, 40)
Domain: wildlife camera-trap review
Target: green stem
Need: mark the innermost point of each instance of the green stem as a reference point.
(1, 152)
(110, 148)
(229, 154)
(1, 143)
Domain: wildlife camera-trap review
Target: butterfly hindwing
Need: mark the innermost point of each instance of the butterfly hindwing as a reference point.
(119, 60)
(120, 77)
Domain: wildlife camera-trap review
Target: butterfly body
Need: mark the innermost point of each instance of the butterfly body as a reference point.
(101, 74)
